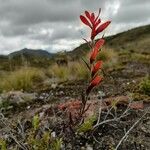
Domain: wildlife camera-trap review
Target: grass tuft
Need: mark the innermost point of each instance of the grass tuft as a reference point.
(109, 57)
(73, 71)
(145, 85)
(22, 79)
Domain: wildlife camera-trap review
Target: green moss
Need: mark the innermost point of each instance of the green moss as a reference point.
(3, 144)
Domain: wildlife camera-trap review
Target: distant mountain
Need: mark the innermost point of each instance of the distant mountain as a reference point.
(26, 57)
(31, 52)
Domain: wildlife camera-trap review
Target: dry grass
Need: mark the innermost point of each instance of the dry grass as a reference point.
(60, 72)
(27, 78)
(74, 70)
(22, 79)
(109, 58)
(78, 70)
(141, 57)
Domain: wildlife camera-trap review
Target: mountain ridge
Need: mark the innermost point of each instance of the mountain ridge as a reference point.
(136, 38)
(38, 52)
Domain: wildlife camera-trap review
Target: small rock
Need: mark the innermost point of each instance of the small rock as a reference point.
(53, 86)
(41, 115)
(61, 86)
(53, 134)
(17, 97)
(61, 92)
(88, 147)
(28, 107)
(101, 94)
(133, 81)
(137, 105)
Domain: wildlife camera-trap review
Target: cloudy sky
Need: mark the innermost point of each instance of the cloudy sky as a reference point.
(54, 25)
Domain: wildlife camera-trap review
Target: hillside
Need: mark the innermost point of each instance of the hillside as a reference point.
(137, 39)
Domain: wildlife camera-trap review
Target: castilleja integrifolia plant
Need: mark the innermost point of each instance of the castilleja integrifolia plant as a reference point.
(93, 21)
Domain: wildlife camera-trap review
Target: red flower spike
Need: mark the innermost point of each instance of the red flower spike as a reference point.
(97, 23)
(93, 21)
(99, 43)
(102, 27)
(93, 83)
(93, 33)
(88, 15)
(96, 67)
(98, 14)
(93, 18)
(96, 48)
(85, 21)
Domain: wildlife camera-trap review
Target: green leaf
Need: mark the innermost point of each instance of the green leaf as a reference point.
(56, 144)
(35, 122)
(87, 125)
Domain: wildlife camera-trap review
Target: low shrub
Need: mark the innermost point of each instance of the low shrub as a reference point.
(78, 71)
(145, 85)
(74, 70)
(60, 72)
(109, 57)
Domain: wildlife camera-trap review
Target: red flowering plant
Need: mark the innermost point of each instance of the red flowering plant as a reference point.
(77, 110)
(93, 21)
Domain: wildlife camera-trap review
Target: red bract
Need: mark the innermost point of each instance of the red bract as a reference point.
(96, 67)
(93, 21)
(93, 83)
(88, 15)
(95, 50)
(102, 27)
(85, 21)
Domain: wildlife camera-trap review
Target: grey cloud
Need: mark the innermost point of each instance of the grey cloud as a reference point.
(10, 31)
(55, 32)
(65, 32)
(134, 2)
(37, 11)
(133, 11)
(93, 5)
